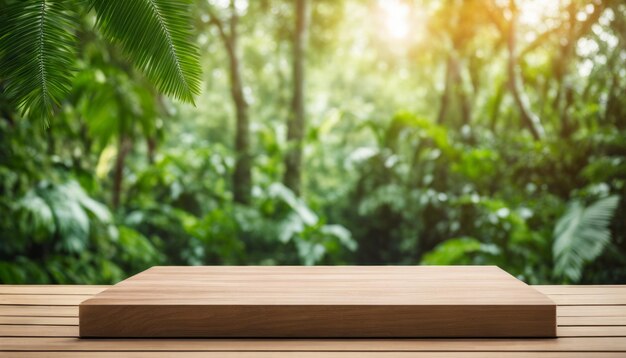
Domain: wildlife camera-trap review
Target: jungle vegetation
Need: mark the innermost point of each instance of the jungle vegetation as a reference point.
(312, 132)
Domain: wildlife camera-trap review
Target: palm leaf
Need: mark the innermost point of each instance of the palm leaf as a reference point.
(155, 35)
(581, 235)
(38, 50)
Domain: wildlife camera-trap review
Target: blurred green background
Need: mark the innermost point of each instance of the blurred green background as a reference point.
(319, 132)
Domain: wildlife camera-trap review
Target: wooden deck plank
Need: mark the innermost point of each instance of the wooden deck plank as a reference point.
(52, 289)
(592, 331)
(591, 311)
(595, 299)
(27, 330)
(311, 354)
(595, 344)
(591, 321)
(580, 289)
(73, 321)
(44, 300)
(31, 330)
(39, 320)
(48, 311)
(72, 311)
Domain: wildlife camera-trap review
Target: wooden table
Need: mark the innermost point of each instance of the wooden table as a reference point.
(319, 302)
(41, 321)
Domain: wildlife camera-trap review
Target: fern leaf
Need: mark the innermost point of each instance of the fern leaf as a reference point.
(155, 35)
(581, 235)
(38, 47)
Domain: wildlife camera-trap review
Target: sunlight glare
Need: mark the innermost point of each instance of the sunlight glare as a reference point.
(396, 17)
(534, 12)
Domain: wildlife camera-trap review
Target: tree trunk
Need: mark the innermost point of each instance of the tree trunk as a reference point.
(465, 105)
(454, 93)
(151, 143)
(445, 96)
(242, 176)
(296, 123)
(495, 109)
(530, 119)
(123, 148)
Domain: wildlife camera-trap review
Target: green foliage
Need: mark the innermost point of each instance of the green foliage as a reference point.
(58, 228)
(415, 152)
(63, 211)
(37, 44)
(296, 223)
(155, 34)
(139, 252)
(461, 251)
(581, 235)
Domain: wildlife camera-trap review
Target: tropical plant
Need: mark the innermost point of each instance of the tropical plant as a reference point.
(38, 41)
(421, 148)
(581, 234)
(58, 232)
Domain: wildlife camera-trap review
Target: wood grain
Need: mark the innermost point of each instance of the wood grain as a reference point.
(15, 330)
(51, 289)
(72, 331)
(575, 344)
(52, 311)
(580, 289)
(44, 300)
(592, 331)
(592, 321)
(580, 328)
(319, 301)
(39, 320)
(561, 320)
(275, 354)
(593, 299)
(589, 311)
(73, 321)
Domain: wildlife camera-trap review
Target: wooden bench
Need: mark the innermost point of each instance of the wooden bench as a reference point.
(42, 321)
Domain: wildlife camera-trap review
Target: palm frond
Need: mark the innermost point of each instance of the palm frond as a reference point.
(581, 235)
(38, 47)
(155, 35)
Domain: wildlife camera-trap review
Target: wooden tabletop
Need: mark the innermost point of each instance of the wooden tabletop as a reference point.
(319, 302)
(321, 285)
(42, 321)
